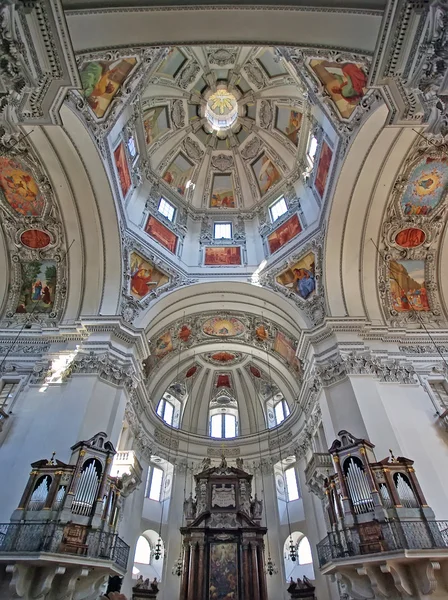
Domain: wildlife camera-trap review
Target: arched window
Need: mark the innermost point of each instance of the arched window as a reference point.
(303, 566)
(169, 409)
(304, 552)
(223, 425)
(154, 483)
(165, 410)
(292, 484)
(281, 411)
(142, 551)
(311, 149)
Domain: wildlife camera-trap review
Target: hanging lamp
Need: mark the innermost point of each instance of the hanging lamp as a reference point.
(270, 567)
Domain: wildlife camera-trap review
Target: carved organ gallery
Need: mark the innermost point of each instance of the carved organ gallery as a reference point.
(223, 310)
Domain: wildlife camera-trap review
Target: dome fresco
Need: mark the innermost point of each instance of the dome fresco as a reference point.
(243, 107)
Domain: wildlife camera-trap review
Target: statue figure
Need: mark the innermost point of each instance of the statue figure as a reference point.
(154, 585)
(245, 503)
(308, 583)
(141, 584)
(202, 502)
(256, 508)
(300, 584)
(206, 463)
(239, 463)
(190, 507)
(292, 586)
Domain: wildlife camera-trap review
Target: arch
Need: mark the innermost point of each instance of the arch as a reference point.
(357, 212)
(303, 565)
(355, 30)
(87, 206)
(149, 567)
(219, 296)
(142, 551)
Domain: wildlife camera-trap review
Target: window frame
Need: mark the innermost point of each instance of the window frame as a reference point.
(170, 205)
(288, 498)
(223, 416)
(285, 410)
(6, 406)
(133, 137)
(312, 159)
(149, 482)
(273, 205)
(161, 411)
(218, 223)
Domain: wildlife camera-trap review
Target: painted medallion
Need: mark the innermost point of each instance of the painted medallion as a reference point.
(410, 238)
(223, 327)
(427, 184)
(35, 239)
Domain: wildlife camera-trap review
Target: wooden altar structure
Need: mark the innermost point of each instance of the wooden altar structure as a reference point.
(223, 547)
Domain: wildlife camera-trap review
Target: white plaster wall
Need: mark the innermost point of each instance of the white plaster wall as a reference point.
(52, 419)
(420, 438)
(340, 410)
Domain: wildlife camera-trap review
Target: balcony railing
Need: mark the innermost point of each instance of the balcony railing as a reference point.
(18, 538)
(319, 460)
(393, 536)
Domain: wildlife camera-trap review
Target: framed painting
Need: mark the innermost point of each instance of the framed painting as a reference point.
(345, 83)
(155, 123)
(288, 121)
(121, 164)
(222, 194)
(223, 578)
(285, 347)
(408, 286)
(164, 345)
(179, 173)
(300, 277)
(38, 287)
(222, 255)
(161, 234)
(266, 173)
(323, 168)
(283, 234)
(172, 63)
(145, 277)
(101, 81)
(427, 184)
(20, 188)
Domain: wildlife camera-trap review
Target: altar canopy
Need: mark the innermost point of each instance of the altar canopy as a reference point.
(223, 538)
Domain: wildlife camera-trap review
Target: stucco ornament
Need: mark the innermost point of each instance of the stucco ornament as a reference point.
(222, 56)
(34, 78)
(313, 305)
(408, 254)
(32, 239)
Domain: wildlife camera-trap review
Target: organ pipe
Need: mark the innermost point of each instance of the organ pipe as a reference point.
(359, 488)
(86, 491)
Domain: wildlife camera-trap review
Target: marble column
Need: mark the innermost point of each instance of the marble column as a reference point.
(185, 573)
(261, 573)
(255, 579)
(246, 570)
(200, 584)
(192, 594)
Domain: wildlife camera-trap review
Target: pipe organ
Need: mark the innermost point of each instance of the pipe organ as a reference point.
(80, 495)
(223, 547)
(363, 494)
